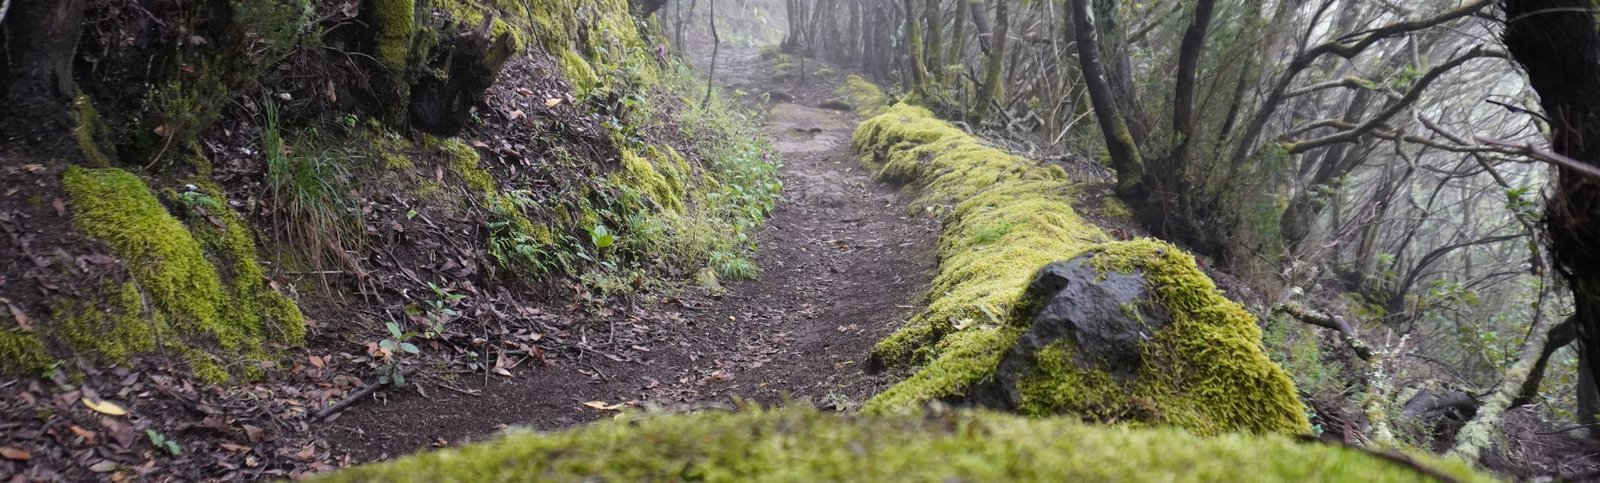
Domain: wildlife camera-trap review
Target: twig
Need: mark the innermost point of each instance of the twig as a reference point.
(1544, 155)
(1327, 321)
(364, 392)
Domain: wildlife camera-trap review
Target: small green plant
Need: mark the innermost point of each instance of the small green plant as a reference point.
(394, 350)
(163, 443)
(441, 310)
(601, 236)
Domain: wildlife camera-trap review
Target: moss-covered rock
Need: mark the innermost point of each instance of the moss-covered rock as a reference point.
(199, 293)
(865, 97)
(1006, 217)
(1132, 331)
(805, 445)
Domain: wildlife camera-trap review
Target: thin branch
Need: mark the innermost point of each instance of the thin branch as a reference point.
(1541, 154)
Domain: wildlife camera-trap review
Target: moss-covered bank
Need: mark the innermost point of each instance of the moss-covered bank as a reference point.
(805, 445)
(197, 292)
(1006, 217)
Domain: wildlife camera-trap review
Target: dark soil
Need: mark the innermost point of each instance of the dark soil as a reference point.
(841, 263)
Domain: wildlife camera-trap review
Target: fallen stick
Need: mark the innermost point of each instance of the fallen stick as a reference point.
(364, 392)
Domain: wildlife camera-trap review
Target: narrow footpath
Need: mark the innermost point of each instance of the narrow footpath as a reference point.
(842, 263)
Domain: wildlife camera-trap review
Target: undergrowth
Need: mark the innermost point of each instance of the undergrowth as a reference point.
(312, 210)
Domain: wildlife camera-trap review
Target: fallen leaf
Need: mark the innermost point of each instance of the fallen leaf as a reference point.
(163, 130)
(252, 432)
(61, 207)
(602, 406)
(11, 453)
(103, 466)
(104, 407)
(237, 448)
(552, 102)
(317, 361)
(33, 168)
(87, 435)
(524, 91)
(516, 114)
(23, 322)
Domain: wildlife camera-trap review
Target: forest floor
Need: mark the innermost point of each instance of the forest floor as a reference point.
(842, 262)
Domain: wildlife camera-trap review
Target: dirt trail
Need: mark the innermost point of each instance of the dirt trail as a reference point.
(841, 265)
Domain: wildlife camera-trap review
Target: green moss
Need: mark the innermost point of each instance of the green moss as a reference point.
(643, 175)
(1008, 216)
(234, 247)
(806, 445)
(89, 131)
(115, 325)
(577, 70)
(1206, 372)
(963, 359)
(273, 28)
(178, 299)
(396, 23)
(21, 354)
(467, 164)
(1115, 209)
(866, 97)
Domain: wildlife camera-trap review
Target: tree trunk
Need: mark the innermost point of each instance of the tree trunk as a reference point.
(39, 39)
(933, 48)
(994, 65)
(919, 70)
(958, 37)
(1558, 46)
(1114, 52)
(1125, 157)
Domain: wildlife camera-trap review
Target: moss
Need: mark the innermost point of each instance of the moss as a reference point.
(964, 359)
(177, 298)
(273, 28)
(1206, 372)
(22, 354)
(803, 444)
(396, 23)
(467, 164)
(234, 245)
(643, 175)
(1008, 216)
(577, 70)
(89, 131)
(1115, 209)
(866, 97)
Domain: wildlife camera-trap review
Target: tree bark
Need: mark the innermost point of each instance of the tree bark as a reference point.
(1125, 156)
(933, 48)
(1557, 44)
(919, 70)
(994, 66)
(39, 39)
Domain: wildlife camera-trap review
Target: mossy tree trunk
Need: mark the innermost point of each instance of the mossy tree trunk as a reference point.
(39, 39)
(934, 47)
(958, 36)
(919, 69)
(994, 67)
(1125, 156)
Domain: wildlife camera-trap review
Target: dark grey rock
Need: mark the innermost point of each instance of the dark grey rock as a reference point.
(1106, 317)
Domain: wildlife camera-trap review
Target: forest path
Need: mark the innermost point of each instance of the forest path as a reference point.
(842, 262)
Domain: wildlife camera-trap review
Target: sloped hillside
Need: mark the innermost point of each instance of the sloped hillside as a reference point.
(288, 201)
